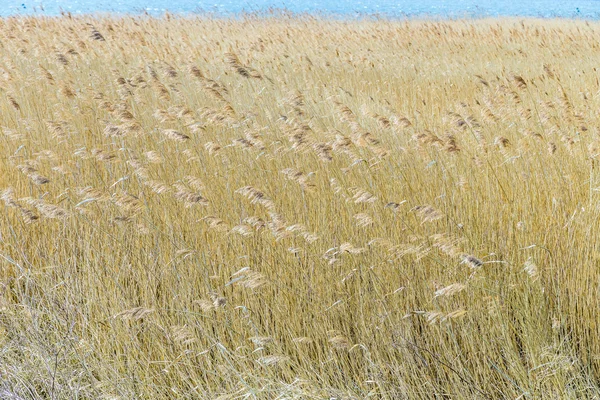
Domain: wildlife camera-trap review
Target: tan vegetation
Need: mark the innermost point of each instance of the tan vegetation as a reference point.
(299, 208)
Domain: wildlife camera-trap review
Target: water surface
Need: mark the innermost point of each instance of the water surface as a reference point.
(589, 9)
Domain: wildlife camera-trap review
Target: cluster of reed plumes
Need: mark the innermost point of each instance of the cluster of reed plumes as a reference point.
(289, 207)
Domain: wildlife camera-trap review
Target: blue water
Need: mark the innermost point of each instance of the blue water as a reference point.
(589, 9)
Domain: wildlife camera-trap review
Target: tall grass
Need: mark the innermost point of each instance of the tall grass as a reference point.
(299, 208)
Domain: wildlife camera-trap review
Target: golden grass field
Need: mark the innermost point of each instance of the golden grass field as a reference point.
(299, 208)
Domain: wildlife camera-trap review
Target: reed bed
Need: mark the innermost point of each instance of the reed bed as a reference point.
(293, 207)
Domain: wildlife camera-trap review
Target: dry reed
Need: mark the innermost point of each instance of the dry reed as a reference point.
(290, 207)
